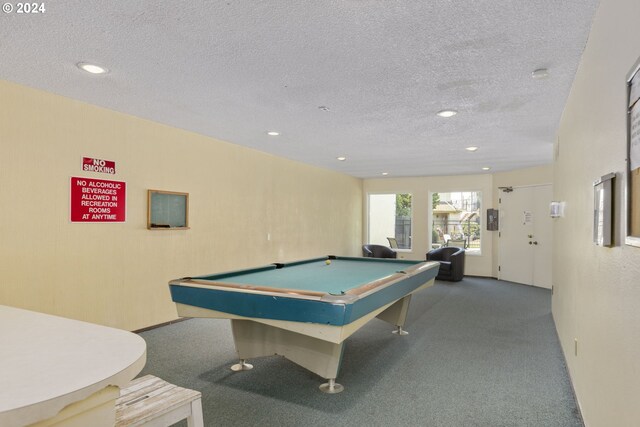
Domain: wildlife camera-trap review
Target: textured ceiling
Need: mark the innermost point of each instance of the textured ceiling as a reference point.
(234, 70)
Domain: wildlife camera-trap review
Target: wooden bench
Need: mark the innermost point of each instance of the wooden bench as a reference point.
(152, 402)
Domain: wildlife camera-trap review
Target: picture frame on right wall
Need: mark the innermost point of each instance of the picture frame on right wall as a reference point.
(632, 193)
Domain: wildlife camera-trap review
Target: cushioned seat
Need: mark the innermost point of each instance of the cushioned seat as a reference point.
(378, 251)
(451, 261)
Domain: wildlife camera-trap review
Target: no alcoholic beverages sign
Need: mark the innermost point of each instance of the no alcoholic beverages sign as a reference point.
(97, 200)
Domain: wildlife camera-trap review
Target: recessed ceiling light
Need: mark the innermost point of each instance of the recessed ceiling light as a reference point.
(447, 113)
(341, 158)
(385, 173)
(273, 133)
(540, 73)
(323, 108)
(472, 148)
(92, 68)
(486, 168)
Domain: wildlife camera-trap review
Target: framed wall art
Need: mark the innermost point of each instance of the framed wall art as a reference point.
(167, 210)
(632, 184)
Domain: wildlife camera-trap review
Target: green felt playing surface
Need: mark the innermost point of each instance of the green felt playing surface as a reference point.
(338, 277)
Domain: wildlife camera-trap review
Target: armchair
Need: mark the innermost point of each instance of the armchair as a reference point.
(378, 251)
(451, 262)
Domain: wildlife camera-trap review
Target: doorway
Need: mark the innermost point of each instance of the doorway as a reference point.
(525, 236)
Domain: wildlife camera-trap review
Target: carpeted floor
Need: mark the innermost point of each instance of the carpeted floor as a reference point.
(480, 352)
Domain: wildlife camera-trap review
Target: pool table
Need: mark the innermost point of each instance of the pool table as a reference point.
(304, 310)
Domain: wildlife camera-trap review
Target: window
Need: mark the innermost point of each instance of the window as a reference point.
(457, 220)
(390, 217)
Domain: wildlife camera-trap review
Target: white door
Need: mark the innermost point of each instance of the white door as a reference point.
(525, 236)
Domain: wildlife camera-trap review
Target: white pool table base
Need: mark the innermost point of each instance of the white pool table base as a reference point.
(254, 339)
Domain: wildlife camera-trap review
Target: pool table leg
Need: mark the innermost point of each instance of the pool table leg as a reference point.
(396, 314)
(399, 331)
(331, 387)
(242, 366)
(254, 339)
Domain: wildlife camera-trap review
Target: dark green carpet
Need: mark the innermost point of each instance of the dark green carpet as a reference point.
(480, 353)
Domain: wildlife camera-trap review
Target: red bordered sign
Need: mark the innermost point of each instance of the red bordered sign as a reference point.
(97, 200)
(98, 165)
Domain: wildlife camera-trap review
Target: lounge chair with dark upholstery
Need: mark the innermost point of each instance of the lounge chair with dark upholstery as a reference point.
(378, 251)
(451, 262)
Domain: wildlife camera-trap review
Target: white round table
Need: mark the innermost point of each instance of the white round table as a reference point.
(53, 367)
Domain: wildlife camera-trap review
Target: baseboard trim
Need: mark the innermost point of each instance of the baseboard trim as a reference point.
(148, 328)
(566, 365)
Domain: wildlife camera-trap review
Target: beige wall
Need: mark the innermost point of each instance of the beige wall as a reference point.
(597, 290)
(116, 274)
(522, 178)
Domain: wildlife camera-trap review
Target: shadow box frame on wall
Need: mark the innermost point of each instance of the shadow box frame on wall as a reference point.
(167, 210)
(603, 196)
(632, 190)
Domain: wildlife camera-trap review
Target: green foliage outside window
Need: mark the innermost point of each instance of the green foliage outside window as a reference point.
(435, 200)
(471, 229)
(403, 205)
